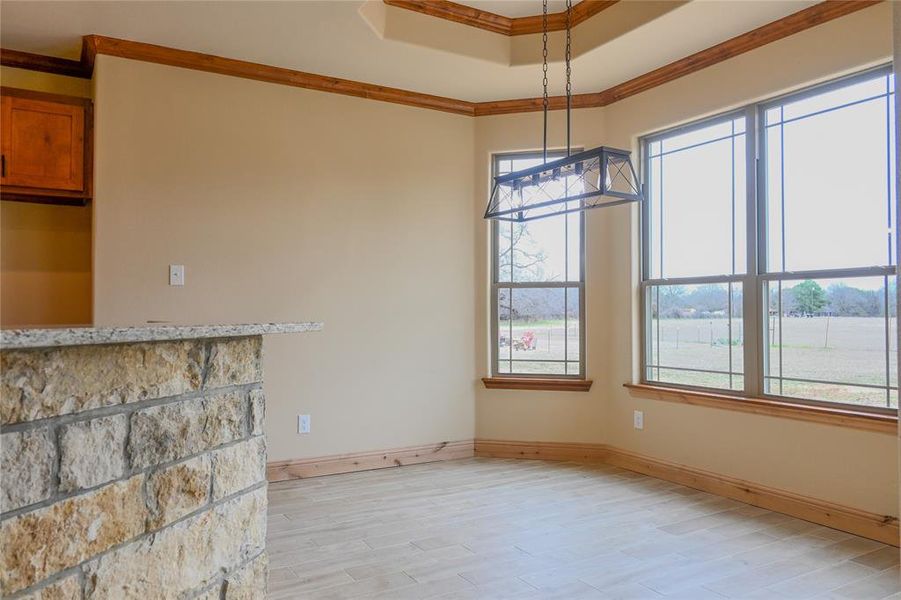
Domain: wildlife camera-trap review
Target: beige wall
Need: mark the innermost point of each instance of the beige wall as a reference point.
(286, 204)
(45, 251)
(846, 466)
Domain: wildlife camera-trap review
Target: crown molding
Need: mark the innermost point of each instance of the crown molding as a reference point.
(44, 64)
(95, 44)
(467, 15)
(581, 12)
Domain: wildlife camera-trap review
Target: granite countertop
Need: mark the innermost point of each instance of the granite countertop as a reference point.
(83, 336)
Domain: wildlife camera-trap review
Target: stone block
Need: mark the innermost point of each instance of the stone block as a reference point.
(248, 582)
(238, 467)
(214, 593)
(189, 555)
(27, 468)
(92, 452)
(235, 361)
(35, 384)
(257, 411)
(64, 589)
(42, 542)
(226, 415)
(178, 490)
(165, 433)
(172, 431)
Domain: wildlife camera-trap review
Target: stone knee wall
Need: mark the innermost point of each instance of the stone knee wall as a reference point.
(133, 471)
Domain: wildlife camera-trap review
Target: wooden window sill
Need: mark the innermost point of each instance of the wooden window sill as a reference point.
(534, 383)
(841, 417)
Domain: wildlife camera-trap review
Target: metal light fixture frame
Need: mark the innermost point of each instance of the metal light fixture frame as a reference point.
(605, 176)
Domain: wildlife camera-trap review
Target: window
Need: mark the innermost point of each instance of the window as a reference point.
(774, 275)
(537, 290)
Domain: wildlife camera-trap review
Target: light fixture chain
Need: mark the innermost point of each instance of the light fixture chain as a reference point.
(544, 101)
(569, 87)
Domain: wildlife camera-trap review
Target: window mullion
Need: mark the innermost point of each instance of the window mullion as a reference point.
(753, 301)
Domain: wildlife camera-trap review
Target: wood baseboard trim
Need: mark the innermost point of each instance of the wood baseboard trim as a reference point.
(284, 470)
(882, 528)
(541, 450)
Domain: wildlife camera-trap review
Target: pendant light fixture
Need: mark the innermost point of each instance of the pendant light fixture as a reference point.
(593, 178)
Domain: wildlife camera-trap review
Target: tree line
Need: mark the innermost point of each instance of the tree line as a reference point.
(805, 298)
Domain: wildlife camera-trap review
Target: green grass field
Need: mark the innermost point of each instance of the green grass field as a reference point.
(850, 350)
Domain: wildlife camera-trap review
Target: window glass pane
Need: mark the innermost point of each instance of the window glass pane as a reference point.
(537, 329)
(572, 331)
(773, 164)
(504, 257)
(694, 137)
(528, 367)
(574, 245)
(829, 180)
(836, 98)
(540, 250)
(696, 379)
(697, 192)
(695, 335)
(654, 191)
(827, 340)
(503, 330)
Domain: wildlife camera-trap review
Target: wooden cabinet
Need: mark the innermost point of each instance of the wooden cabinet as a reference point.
(46, 147)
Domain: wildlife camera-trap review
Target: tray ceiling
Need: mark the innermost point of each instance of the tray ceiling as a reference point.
(516, 8)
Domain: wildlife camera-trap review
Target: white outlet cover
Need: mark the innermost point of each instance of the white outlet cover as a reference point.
(176, 274)
(303, 423)
(638, 419)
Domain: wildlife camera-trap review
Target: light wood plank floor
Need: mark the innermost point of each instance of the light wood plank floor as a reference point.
(491, 528)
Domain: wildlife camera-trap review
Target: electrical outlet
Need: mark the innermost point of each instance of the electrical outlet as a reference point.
(303, 423)
(638, 419)
(176, 274)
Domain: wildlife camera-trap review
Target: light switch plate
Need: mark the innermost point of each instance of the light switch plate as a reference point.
(176, 274)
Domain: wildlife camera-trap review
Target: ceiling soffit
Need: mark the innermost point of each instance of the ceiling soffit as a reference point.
(399, 24)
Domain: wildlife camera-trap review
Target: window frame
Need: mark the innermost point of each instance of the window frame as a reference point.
(496, 285)
(756, 277)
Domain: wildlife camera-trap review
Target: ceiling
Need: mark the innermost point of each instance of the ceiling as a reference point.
(370, 42)
(516, 8)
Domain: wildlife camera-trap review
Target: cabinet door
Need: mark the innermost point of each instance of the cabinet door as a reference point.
(43, 144)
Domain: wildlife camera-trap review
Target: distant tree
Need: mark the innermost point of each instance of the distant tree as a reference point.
(710, 298)
(847, 301)
(809, 297)
(519, 250)
(892, 297)
(672, 301)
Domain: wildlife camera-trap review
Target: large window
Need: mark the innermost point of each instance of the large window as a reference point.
(537, 291)
(768, 248)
